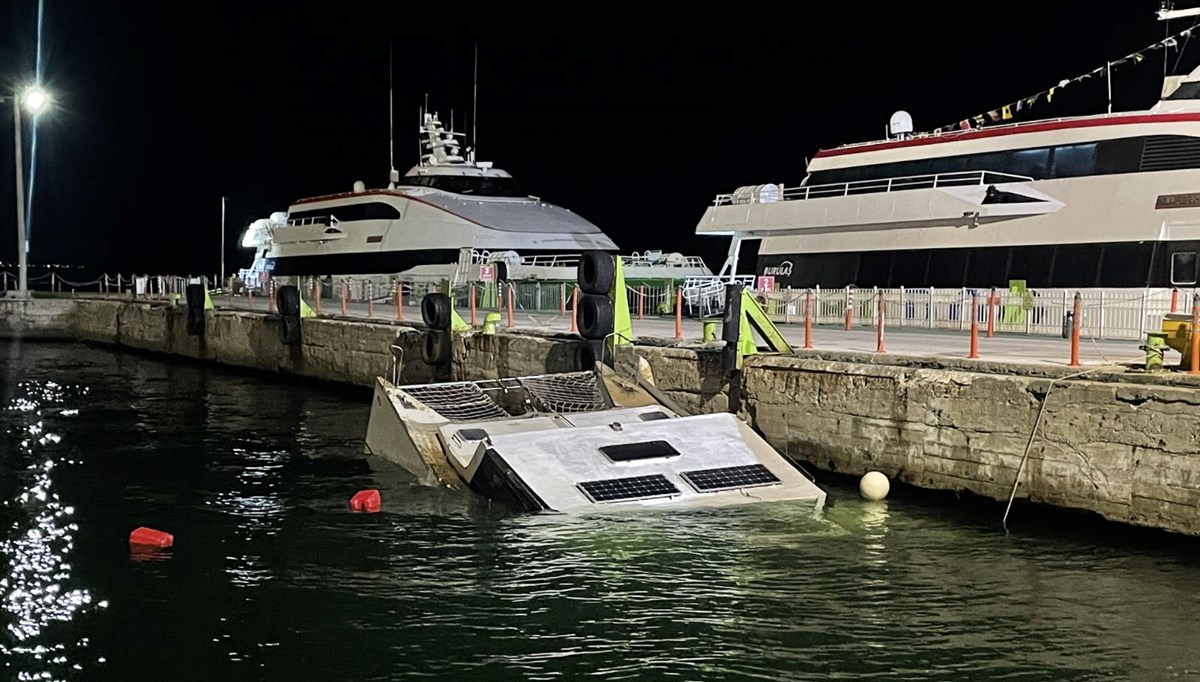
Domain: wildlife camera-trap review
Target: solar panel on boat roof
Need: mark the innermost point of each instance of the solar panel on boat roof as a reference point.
(632, 488)
(730, 478)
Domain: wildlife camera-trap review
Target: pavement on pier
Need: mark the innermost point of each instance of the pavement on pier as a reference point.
(1002, 348)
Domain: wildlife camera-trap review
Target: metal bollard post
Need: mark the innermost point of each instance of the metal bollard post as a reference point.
(1075, 327)
(575, 310)
(879, 325)
(974, 354)
(371, 302)
(229, 295)
(991, 331)
(399, 302)
(562, 299)
(641, 299)
(345, 295)
(808, 308)
(472, 305)
(1195, 364)
(849, 307)
(679, 314)
(511, 297)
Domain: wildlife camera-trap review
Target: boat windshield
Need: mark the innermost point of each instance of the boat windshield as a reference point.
(475, 185)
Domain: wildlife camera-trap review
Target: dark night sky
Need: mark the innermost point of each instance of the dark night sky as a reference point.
(163, 108)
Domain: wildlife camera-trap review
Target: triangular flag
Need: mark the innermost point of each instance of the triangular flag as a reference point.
(1137, 57)
(1050, 95)
(964, 125)
(1020, 105)
(1006, 112)
(994, 115)
(1030, 101)
(979, 121)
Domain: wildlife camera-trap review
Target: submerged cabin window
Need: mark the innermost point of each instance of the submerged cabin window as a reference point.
(1183, 267)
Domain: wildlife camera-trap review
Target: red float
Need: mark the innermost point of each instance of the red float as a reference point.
(366, 501)
(148, 537)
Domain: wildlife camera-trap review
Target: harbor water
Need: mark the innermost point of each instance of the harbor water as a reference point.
(273, 577)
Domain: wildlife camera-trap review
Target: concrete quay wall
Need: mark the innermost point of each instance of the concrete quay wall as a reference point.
(1127, 450)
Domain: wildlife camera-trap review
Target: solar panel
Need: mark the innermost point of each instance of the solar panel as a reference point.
(632, 488)
(730, 478)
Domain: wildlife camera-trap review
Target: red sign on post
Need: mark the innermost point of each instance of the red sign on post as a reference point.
(765, 283)
(487, 273)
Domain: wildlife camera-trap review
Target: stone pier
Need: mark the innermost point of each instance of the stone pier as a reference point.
(1126, 447)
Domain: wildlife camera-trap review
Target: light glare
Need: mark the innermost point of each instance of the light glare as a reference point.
(35, 99)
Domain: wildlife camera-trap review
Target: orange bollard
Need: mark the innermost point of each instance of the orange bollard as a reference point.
(679, 314)
(1174, 300)
(472, 305)
(562, 298)
(575, 310)
(1195, 364)
(974, 354)
(399, 302)
(345, 296)
(808, 320)
(510, 306)
(1075, 327)
(992, 313)
(641, 299)
(879, 327)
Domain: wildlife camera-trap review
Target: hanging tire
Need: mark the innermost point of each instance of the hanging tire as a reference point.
(595, 317)
(435, 347)
(585, 357)
(597, 272)
(435, 310)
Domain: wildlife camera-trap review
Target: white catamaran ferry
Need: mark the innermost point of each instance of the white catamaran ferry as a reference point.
(1096, 201)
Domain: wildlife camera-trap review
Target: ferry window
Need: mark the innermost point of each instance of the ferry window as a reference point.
(1186, 91)
(1030, 162)
(476, 185)
(1183, 267)
(371, 211)
(1073, 161)
(1119, 156)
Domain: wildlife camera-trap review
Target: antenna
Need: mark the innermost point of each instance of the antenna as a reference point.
(391, 120)
(475, 104)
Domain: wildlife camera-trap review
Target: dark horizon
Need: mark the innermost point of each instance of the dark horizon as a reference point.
(160, 111)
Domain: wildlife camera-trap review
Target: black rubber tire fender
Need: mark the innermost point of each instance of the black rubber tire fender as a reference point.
(597, 272)
(595, 317)
(436, 311)
(435, 347)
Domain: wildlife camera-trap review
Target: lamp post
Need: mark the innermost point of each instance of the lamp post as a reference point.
(34, 99)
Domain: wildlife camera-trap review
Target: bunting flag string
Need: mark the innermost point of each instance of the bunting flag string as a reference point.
(1012, 109)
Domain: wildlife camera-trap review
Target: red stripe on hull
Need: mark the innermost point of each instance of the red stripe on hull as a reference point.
(1013, 130)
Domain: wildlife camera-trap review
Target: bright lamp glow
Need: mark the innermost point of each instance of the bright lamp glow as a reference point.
(35, 99)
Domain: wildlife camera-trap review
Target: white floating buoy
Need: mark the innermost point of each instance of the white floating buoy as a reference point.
(874, 486)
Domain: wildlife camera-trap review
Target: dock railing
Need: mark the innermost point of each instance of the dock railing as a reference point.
(1106, 313)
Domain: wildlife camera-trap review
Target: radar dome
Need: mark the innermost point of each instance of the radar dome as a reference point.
(901, 124)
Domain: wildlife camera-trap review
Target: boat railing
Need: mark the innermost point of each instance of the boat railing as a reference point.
(657, 259)
(314, 220)
(878, 186)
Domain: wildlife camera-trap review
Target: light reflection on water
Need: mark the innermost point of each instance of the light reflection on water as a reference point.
(273, 578)
(37, 588)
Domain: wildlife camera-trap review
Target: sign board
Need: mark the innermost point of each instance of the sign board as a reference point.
(1190, 200)
(765, 283)
(487, 273)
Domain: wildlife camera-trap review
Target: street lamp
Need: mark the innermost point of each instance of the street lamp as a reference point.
(34, 99)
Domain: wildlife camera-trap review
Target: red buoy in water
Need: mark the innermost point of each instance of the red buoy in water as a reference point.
(148, 537)
(366, 501)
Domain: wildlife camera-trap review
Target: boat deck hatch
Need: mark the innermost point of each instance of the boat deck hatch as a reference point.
(730, 478)
(631, 452)
(632, 488)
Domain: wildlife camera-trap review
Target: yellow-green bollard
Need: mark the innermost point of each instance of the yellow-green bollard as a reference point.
(710, 330)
